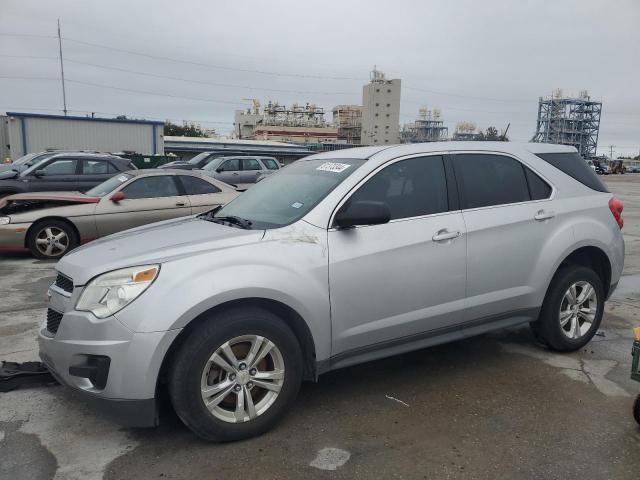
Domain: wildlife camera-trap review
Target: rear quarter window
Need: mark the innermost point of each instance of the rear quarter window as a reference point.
(573, 165)
(270, 163)
(538, 188)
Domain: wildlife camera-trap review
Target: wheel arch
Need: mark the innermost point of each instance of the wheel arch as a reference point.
(51, 217)
(289, 315)
(593, 258)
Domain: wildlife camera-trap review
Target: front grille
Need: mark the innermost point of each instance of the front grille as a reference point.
(64, 283)
(53, 320)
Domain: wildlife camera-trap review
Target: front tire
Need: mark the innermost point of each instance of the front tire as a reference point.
(236, 374)
(572, 310)
(51, 239)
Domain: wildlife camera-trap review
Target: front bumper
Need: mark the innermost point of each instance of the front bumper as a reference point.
(126, 389)
(128, 413)
(13, 237)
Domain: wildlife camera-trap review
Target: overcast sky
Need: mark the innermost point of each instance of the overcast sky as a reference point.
(482, 61)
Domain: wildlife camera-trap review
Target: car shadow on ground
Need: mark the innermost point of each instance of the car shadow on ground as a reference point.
(17, 256)
(468, 406)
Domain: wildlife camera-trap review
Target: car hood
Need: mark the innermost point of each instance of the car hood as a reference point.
(66, 197)
(8, 173)
(155, 243)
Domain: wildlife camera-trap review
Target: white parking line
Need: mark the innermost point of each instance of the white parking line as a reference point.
(330, 459)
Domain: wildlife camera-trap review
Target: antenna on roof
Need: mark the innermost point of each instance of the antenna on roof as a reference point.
(64, 92)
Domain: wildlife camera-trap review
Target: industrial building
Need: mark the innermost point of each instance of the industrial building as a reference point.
(380, 110)
(428, 127)
(569, 121)
(22, 133)
(348, 121)
(465, 131)
(188, 147)
(275, 122)
(302, 135)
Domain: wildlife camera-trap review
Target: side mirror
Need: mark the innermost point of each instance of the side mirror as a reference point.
(117, 197)
(362, 213)
(39, 173)
(219, 169)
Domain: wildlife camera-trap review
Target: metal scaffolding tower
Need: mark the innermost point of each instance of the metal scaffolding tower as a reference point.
(348, 120)
(569, 121)
(428, 127)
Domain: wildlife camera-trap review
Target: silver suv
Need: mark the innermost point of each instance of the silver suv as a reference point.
(241, 171)
(340, 258)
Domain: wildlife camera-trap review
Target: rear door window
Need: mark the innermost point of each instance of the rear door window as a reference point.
(152, 187)
(412, 187)
(488, 179)
(197, 186)
(251, 164)
(95, 167)
(574, 165)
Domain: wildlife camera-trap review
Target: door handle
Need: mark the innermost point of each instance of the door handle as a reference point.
(542, 215)
(180, 204)
(234, 173)
(444, 235)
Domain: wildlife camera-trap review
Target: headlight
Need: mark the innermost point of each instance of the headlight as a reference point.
(5, 220)
(111, 292)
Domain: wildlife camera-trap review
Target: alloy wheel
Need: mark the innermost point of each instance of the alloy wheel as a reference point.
(578, 309)
(242, 378)
(52, 241)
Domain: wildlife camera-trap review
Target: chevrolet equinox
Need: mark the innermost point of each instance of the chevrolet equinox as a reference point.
(340, 258)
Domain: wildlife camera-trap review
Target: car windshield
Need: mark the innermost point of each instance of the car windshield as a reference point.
(24, 159)
(197, 158)
(287, 195)
(30, 159)
(108, 186)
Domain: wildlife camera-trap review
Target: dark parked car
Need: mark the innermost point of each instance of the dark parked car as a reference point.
(197, 162)
(26, 161)
(71, 171)
(30, 159)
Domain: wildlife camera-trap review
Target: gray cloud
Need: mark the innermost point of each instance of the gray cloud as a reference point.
(486, 62)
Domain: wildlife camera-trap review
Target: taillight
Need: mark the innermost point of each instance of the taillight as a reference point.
(616, 206)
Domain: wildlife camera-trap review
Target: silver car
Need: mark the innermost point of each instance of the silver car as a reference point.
(341, 258)
(241, 171)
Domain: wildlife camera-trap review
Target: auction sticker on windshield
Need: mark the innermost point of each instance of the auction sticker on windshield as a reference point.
(333, 167)
(123, 178)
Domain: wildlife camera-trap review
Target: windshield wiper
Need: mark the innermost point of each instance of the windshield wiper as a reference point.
(241, 222)
(232, 219)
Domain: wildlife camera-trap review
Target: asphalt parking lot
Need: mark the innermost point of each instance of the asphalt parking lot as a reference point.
(494, 406)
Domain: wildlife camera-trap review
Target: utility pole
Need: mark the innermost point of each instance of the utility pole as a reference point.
(64, 92)
(611, 150)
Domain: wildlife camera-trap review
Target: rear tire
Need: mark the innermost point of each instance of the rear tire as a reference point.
(247, 393)
(636, 409)
(572, 310)
(51, 239)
